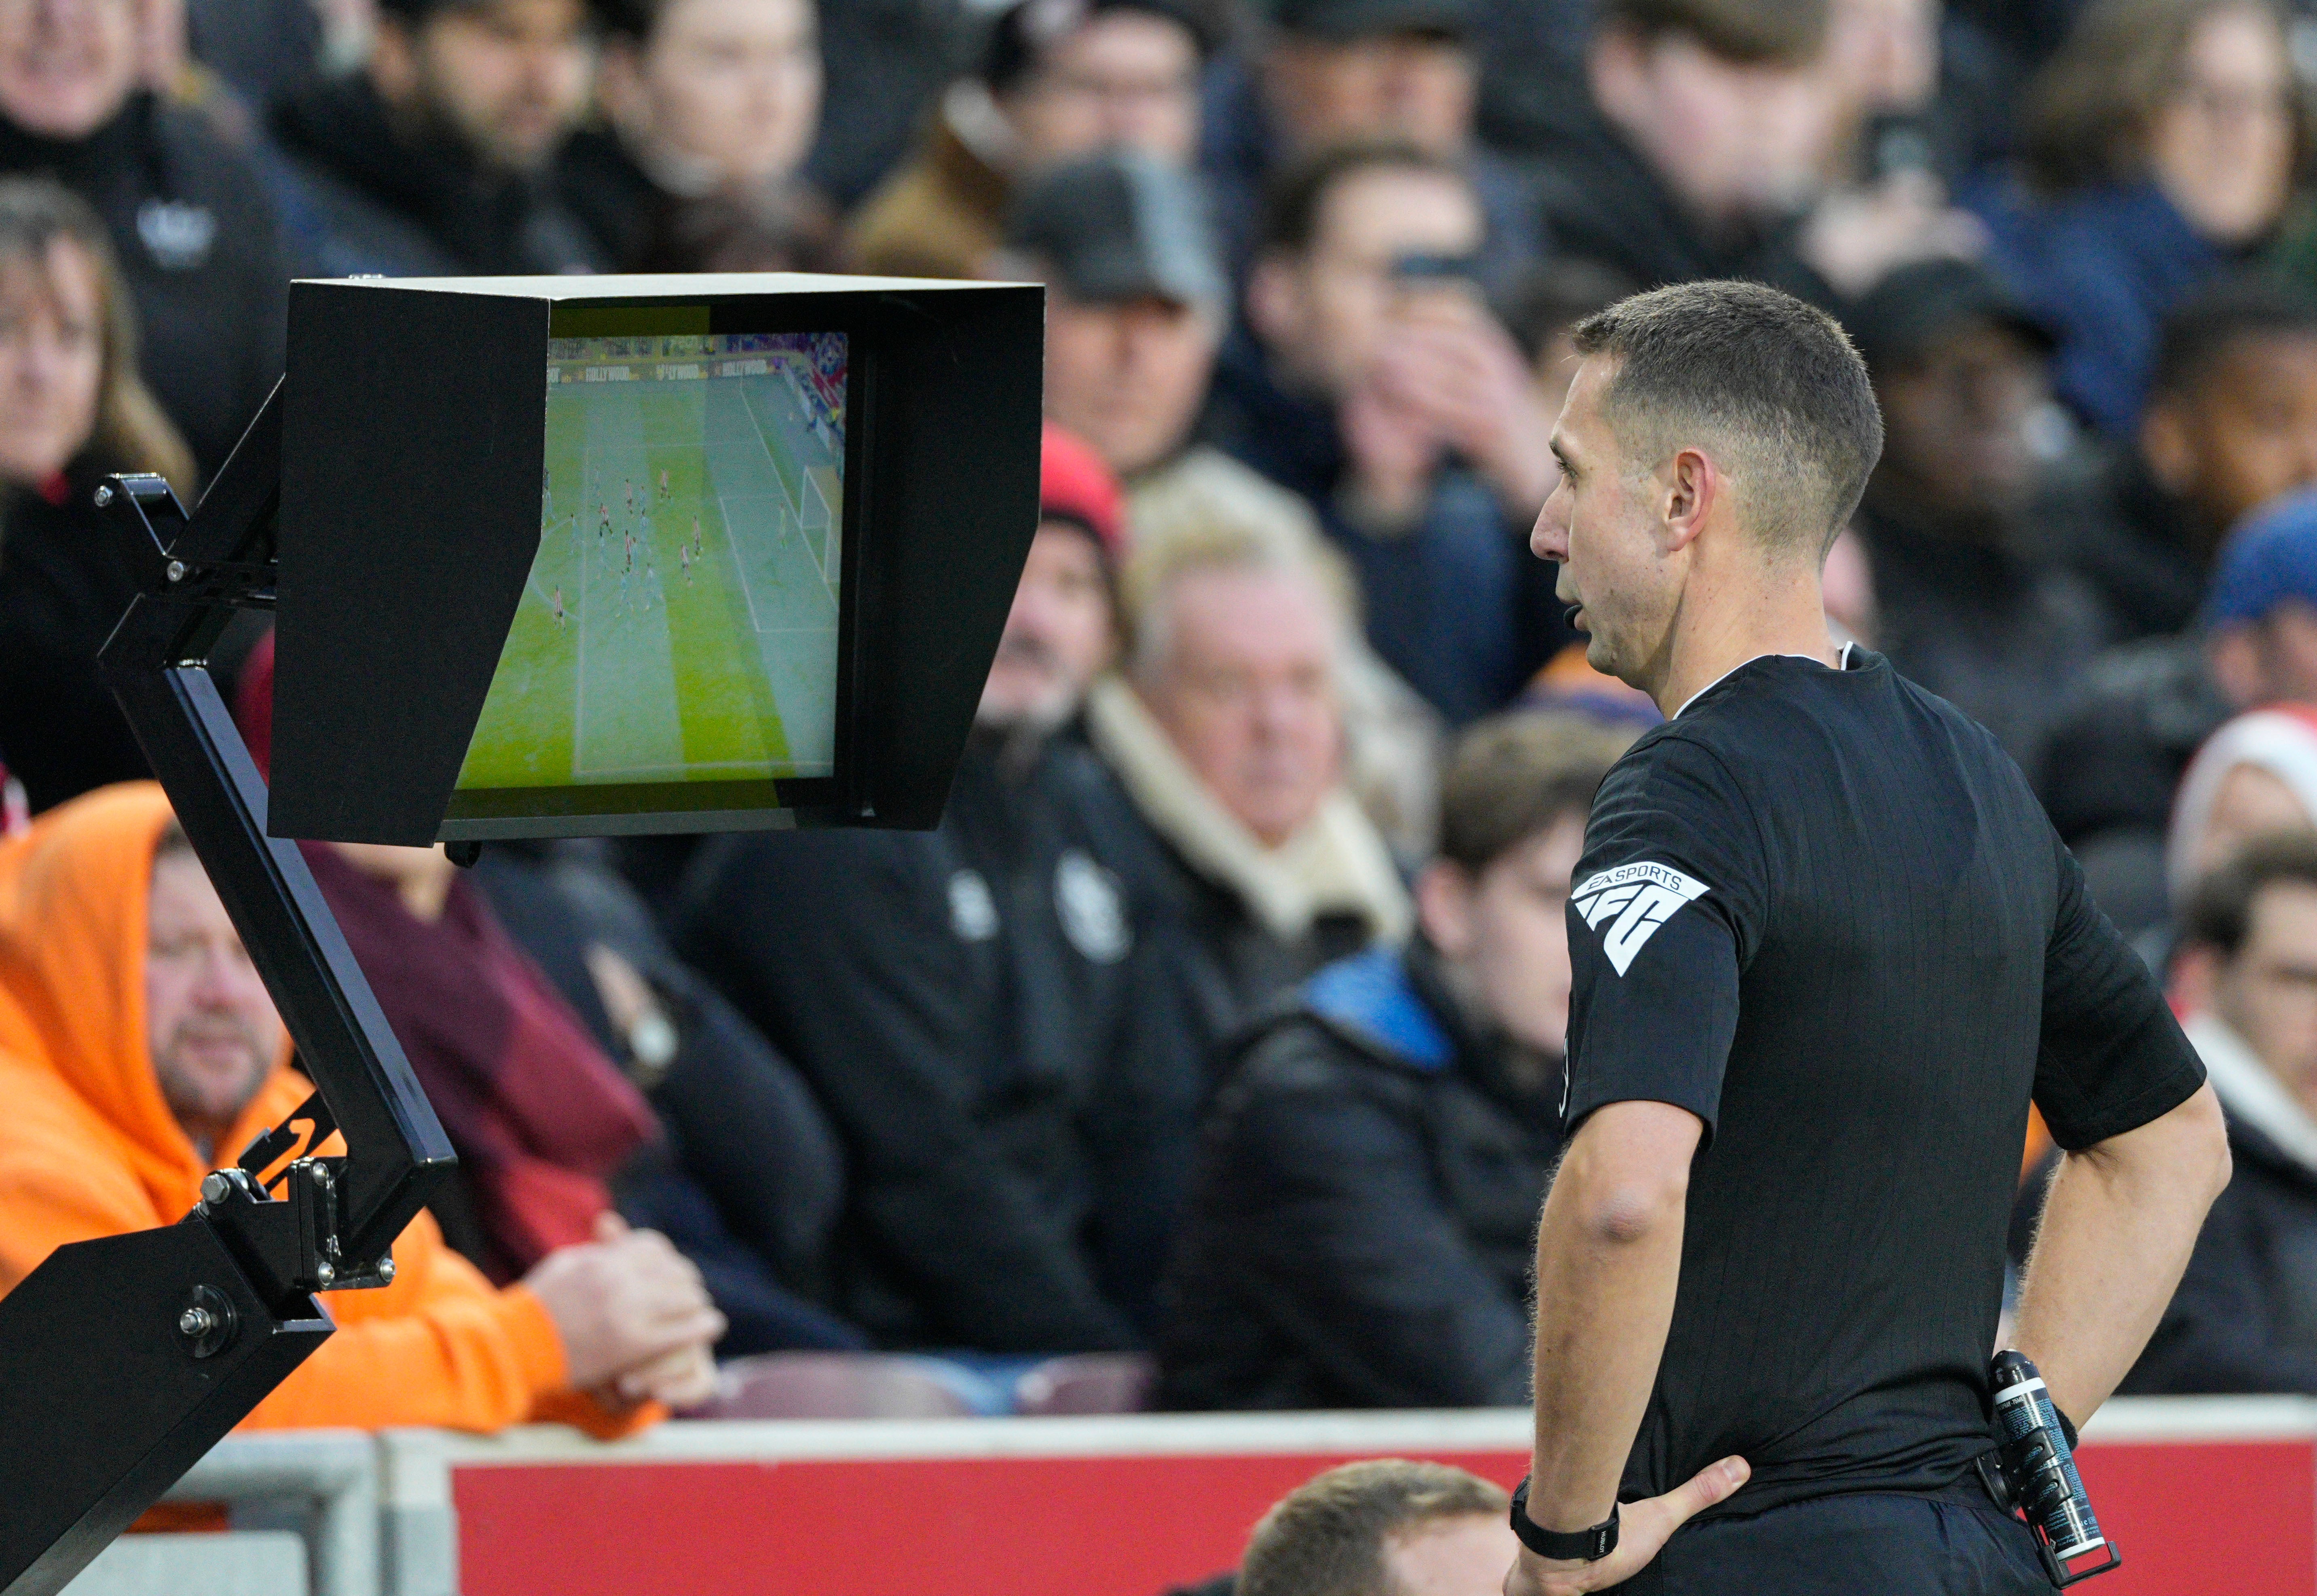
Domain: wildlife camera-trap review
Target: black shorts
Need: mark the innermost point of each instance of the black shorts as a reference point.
(1956, 1544)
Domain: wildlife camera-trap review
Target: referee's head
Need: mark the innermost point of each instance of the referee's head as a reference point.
(1717, 436)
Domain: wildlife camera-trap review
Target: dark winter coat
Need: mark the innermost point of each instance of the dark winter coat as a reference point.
(1361, 1222)
(62, 588)
(360, 198)
(990, 1014)
(197, 238)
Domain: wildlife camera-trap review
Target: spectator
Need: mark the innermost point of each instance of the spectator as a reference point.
(1332, 72)
(192, 230)
(1543, 317)
(987, 1012)
(549, 1134)
(2161, 143)
(1136, 302)
(886, 62)
(1383, 1525)
(2254, 776)
(72, 409)
(711, 106)
(1709, 123)
(2117, 758)
(438, 159)
(2245, 1317)
(1058, 79)
(141, 1051)
(1968, 604)
(1378, 387)
(2229, 422)
(1228, 733)
(1362, 1217)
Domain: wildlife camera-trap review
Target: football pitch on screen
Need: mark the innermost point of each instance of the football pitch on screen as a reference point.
(680, 621)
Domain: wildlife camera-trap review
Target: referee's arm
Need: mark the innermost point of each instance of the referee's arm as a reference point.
(1608, 1259)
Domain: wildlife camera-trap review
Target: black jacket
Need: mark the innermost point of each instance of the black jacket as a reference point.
(359, 197)
(989, 1013)
(1362, 1222)
(197, 239)
(2000, 635)
(63, 587)
(1604, 202)
(2135, 544)
(748, 1179)
(2244, 1321)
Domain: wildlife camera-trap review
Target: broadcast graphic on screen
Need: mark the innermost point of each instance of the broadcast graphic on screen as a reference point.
(680, 621)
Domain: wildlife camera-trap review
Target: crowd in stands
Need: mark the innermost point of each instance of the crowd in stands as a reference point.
(1220, 1021)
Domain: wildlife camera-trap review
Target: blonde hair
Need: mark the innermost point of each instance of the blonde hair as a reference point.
(132, 433)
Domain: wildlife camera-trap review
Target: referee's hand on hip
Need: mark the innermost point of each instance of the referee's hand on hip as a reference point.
(1642, 1530)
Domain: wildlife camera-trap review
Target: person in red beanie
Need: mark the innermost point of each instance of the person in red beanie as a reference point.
(989, 1011)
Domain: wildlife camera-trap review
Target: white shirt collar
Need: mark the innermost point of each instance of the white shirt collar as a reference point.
(2249, 1090)
(1841, 662)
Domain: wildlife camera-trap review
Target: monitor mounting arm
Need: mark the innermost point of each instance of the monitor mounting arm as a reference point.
(128, 1356)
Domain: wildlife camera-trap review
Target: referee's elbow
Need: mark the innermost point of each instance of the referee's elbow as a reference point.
(1633, 1209)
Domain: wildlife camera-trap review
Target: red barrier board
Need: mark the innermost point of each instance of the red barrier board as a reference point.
(2226, 1514)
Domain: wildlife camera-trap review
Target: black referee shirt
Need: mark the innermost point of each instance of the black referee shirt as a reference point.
(1821, 911)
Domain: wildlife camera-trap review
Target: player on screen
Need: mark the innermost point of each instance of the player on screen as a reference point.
(662, 481)
(684, 558)
(631, 486)
(559, 607)
(695, 537)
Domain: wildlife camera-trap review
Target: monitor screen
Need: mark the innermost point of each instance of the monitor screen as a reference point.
(680, 622)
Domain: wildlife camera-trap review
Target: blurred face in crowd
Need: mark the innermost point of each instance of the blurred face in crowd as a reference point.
(2266, 661)
(66, 67)
(1465, 1555)
(1731, 138)
(1415, 86)
(2244, 432)
(1058, 635)
(1883, 54)
(1123, 79)
(51, 359)
(2267, 993)
(2251, 802)
(1506, 935)
(1242, 678)
(1956, 421)
(508, 78)
(1599, 527)
(211, 1027)
(2222, 146)
(730, 88)
(420, 877)
(1128, 375)
(1324, 315)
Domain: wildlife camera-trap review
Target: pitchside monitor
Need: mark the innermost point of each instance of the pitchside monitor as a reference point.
(595, 555)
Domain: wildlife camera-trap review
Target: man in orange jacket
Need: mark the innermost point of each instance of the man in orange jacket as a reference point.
(138, 1048)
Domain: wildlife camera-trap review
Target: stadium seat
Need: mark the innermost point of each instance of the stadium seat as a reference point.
(1086, 1383)
(835, 1385)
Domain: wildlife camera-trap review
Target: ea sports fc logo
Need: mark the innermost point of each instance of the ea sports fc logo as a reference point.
(1639, 898)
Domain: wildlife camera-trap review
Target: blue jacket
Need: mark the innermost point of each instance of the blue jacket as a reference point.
(2102, 267)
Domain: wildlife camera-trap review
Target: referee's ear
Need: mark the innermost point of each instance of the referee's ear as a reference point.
(1444, 907)
(1696, 493)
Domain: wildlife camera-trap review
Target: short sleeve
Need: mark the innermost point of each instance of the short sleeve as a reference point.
(1663, 913)
(2113, 1057)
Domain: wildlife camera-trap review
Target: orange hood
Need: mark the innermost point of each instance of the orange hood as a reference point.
(73, 896)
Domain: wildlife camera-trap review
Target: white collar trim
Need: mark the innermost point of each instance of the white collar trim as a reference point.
(1841, 662)
(2250, 1091)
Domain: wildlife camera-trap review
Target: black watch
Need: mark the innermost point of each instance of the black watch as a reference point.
(1588, 1546)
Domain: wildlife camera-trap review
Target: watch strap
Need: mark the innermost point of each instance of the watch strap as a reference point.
(1589, 1546)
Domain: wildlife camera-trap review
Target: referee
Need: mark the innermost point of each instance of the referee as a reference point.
(1826, 948)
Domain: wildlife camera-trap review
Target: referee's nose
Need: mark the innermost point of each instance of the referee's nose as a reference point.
(1549, 538)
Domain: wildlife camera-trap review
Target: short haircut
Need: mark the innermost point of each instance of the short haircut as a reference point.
(2219, 911)
(1781, 32)
(2213, 323)
(1328, 1537)
(1292, 206)
(1771, 384)
(1514, 777)
(2092, 107)
(1230, 526)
